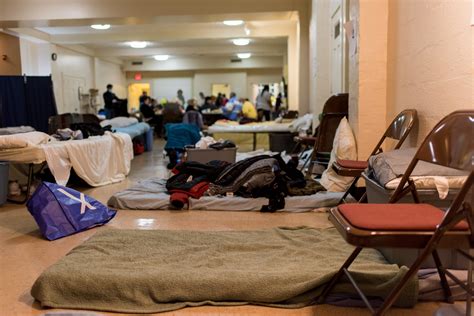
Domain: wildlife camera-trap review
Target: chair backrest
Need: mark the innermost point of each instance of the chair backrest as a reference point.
(402, 125)
(450, 144)
(399, 129)
(192, 117)
(335, 108)
(90, 118)
(63, 121)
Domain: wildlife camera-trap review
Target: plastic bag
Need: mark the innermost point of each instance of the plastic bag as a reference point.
(60, 211)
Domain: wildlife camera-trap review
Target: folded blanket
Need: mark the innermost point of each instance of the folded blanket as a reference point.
(23, 140)
(392, 164)
(147, 271)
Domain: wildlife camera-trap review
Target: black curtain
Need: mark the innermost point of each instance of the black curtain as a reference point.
(12, 101)
(40, 102)
(26, 100)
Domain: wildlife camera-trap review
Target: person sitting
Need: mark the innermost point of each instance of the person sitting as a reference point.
(146, 108)
(172, 112)
(232, 110)
(192, 115)
(208, 105)
(248, 110)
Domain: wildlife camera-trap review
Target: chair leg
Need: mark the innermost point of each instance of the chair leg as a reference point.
(339, 274)
(392, 297)
(469, 286)
(444, 282)
(351, 187)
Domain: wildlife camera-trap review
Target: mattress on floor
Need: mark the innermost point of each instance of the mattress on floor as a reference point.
(147, 271)
(151, 195)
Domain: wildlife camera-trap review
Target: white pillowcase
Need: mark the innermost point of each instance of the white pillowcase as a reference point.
(344, 147)
(23, 140)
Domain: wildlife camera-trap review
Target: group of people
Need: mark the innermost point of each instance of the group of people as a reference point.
(190, 111)
(242, 109)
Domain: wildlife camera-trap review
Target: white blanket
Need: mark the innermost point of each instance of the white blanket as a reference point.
(98, 160)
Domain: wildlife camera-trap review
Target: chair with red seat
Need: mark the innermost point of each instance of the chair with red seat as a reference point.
(419, 226)
(398, 130)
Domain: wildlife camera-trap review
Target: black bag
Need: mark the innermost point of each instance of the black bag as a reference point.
(91, 129)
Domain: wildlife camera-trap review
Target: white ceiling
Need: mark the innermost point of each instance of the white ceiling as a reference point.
(202, 35)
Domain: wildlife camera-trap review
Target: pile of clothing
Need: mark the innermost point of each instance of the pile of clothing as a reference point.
(260, 176)
(80, 131)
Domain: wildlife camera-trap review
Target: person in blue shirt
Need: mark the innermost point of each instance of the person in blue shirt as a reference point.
(233, 108)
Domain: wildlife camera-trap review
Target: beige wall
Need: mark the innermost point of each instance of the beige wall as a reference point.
(430, 60)
(240, 80)
(9, 46)
(319, 37)
(368, 73)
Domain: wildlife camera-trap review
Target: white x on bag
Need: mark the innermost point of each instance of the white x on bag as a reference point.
(81, 199)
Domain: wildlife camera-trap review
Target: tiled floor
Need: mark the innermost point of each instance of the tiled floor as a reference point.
(24, 254)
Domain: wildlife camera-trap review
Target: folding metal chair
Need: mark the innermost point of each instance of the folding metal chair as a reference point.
(335, 108)
(420, 226)
(398, 130)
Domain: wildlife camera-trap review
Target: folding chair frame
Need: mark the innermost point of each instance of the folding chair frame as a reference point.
(428, 241)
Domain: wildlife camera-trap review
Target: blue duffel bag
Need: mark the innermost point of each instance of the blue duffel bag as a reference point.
(60, 211)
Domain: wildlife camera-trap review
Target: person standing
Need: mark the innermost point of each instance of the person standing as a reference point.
(264, 104)
(143, 97)
(112, 103)
(181, 97)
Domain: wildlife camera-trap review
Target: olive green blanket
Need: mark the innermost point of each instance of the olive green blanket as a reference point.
(144, 271)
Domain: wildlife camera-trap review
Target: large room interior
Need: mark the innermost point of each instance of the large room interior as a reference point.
(269, 157)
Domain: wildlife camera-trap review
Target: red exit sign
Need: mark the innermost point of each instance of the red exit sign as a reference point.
(138, 76)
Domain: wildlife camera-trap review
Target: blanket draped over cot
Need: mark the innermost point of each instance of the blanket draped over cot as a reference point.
(98, 160)
(147, 271)
(151, 195)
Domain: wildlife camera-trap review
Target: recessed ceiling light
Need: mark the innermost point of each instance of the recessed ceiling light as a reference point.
(161, 57)
(244, 55)
(241, 41)
(138, 44)
(100, 26)
(233, 22)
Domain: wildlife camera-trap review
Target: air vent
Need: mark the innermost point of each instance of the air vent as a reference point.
(137, 63)
(236, 60)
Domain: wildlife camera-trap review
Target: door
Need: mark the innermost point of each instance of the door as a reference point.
(135, 90)
(337, 75)
(73, 87)
(222, 88)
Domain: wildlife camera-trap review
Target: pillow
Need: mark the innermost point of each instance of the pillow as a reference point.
(344, 147)
(119, 121)
(23, 140)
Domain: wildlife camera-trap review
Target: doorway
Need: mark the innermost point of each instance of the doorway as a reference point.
(135, 90)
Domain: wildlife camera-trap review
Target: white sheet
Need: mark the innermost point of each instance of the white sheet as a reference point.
(250, 128)
(98, 160)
